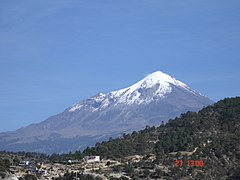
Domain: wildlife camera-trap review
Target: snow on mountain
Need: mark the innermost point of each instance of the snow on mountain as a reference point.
(134, 94)
(156, 98)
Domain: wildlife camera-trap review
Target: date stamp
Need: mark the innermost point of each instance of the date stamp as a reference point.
(189, 163)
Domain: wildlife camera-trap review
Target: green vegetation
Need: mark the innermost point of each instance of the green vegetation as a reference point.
(28, 177)
(4, 164)
(213, 132)
(4, 167)
(211, 135)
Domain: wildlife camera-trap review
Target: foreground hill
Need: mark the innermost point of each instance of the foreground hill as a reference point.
(203, 145)
(151, 101)
(210, 136)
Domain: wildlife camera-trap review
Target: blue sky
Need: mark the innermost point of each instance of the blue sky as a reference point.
(56, 53)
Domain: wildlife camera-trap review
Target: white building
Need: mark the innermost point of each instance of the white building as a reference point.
(26, 163)
(91, 159)
(70, 161)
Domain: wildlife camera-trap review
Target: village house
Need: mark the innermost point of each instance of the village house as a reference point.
(91, 159)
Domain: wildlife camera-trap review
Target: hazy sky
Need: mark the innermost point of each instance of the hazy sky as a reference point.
(56, 53)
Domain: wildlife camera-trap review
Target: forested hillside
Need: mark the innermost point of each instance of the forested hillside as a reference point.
(203, 145)
(211, 136)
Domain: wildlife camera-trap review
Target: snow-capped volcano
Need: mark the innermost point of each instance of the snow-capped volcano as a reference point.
(157, 84)
(156, 98)
(162, 80)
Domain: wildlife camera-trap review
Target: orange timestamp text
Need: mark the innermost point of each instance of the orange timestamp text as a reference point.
(189, 163)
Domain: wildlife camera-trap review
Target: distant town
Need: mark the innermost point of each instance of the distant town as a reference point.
(90, 167)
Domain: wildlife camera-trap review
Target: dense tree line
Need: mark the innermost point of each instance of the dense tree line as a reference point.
(215, 131)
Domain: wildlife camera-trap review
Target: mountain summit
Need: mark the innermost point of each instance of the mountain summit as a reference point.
(153, 87)
(151, 101)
